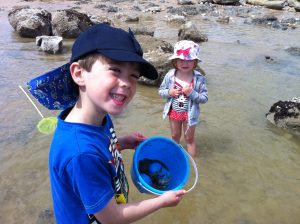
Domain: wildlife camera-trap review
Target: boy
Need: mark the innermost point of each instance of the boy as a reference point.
(87, 177)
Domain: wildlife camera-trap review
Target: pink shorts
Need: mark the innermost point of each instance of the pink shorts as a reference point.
(179, 116)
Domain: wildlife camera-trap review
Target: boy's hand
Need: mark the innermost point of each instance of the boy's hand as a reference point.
(172, 198)
(131, 141)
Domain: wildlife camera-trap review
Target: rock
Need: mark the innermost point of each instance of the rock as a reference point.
(154, 9)
(295, 51)
(295, 4)
(46, 216)
(275, 4)
(227, 2)
(142, 31)
(157, 52)
(30, 22)
(101, 19)
(185, 2)
(286, 115)
(50, 44)
(189, 31)
(256, 2)
(69, 23)
(176, 19)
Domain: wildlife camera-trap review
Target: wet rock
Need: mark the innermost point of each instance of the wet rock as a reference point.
(189, 31)
(30, 22)
(286, 115)
(188, 10)
(293, 51)
(223, 19)
(46, 216)
(142, 31)
(153, 9)
(50, 44)
(279, 5)
(69, 23)
(295, 4)
(176, 19)
(269, 59)
(227, 2)
(101, 19)
(156, 51)
(274, 22)
(185, 2)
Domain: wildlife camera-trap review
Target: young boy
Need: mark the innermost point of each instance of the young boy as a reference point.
(87, 176)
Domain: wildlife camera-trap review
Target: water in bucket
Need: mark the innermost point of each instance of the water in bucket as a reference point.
(155, 173)
(169, 164)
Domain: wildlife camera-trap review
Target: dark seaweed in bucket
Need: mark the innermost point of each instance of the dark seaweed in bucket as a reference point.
(155, 173)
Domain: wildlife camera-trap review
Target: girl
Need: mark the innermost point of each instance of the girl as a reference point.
(184, 88)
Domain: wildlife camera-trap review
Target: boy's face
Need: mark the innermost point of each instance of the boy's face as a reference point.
(110, 85)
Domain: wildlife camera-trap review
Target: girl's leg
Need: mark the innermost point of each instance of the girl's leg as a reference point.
(176, 127)
(189, 136)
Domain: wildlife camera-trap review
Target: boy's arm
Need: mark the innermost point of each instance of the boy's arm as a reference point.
(128, 213)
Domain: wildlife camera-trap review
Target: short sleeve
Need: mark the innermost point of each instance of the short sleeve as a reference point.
(90, 178)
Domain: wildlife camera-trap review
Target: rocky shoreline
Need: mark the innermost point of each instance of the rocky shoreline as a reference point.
(50, 25)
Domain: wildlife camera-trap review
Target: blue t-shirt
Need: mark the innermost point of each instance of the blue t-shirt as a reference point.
(86, 170)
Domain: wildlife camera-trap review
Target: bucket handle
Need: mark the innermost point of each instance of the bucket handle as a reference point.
(195, 169)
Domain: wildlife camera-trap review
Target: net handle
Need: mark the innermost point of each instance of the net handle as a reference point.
(30, 100)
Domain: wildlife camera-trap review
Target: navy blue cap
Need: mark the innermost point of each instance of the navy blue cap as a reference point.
(114, 43)
(56, 89)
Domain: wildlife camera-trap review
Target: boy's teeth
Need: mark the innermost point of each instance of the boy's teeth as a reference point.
(118, 97)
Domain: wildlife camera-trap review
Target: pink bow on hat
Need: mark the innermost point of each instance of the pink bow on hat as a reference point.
(185, 52)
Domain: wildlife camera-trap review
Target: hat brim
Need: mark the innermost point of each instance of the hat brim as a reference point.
(147, 70)
(56, 89)
(175, 56)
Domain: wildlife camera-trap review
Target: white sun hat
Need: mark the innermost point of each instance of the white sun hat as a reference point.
(186, 50)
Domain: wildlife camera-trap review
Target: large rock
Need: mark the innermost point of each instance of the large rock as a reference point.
(189, 31)
(286, 115)
(69, 23)
(30, 22)
(156, 51)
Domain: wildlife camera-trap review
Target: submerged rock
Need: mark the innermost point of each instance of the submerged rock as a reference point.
(286, 115)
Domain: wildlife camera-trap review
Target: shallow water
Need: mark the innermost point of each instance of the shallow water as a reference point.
(249, 169)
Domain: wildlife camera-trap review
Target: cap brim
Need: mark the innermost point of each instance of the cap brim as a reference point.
(56, 89)
(147, 69)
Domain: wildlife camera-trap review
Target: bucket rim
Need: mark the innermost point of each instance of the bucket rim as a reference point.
(135, 164)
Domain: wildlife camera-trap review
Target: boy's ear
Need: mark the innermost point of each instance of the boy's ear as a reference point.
(76, 73)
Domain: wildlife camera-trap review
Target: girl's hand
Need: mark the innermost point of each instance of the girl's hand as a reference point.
(187, 90)
(131, 141)
(174, 92)
(172, 198)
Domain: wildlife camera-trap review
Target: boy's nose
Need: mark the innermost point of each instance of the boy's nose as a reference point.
(125, 81)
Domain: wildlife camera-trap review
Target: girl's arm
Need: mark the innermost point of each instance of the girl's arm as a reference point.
(200, 96)
(166, 85)
(131, 212)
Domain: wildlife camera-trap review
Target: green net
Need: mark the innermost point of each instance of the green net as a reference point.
(47, 125)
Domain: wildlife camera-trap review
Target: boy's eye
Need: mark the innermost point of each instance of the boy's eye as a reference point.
(114, 69)
(136, 76)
